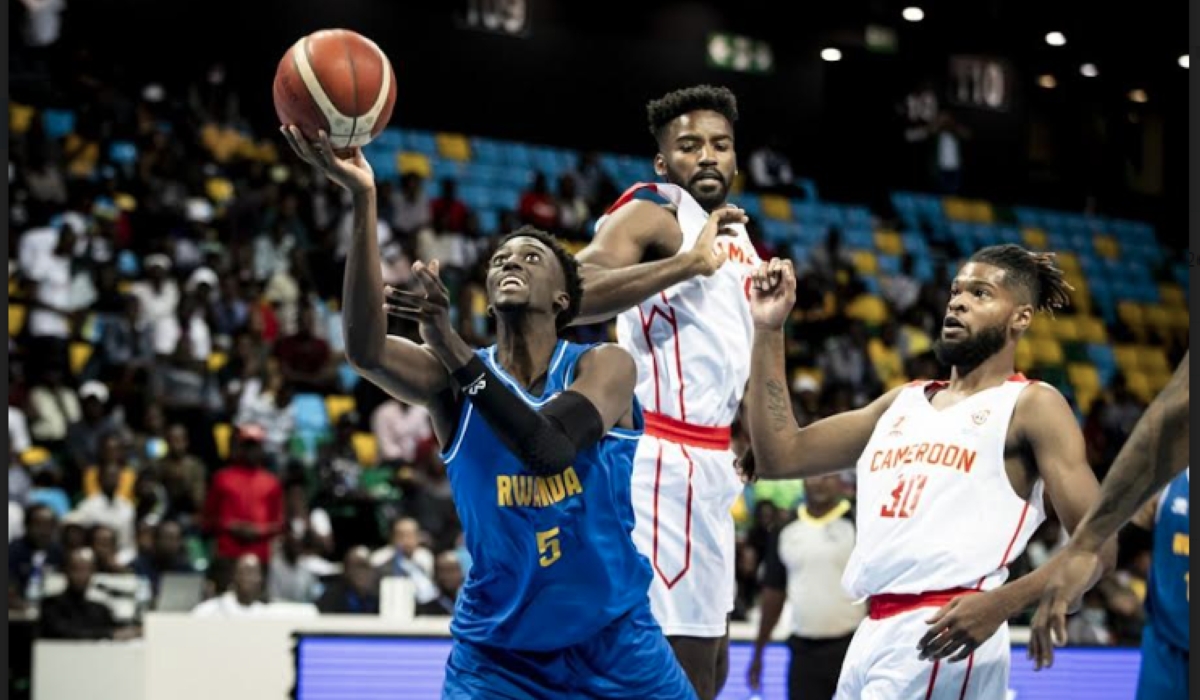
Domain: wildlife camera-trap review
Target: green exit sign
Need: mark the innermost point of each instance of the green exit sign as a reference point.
(740, 53)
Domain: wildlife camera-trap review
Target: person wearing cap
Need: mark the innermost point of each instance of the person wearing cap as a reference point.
(158, 294)
(84, 436)
(46, 256)
(244, 505)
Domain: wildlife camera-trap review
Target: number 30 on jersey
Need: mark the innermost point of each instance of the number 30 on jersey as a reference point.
(905, 497)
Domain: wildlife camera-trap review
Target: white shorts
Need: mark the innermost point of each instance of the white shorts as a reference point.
(883, 663)
(682, 497)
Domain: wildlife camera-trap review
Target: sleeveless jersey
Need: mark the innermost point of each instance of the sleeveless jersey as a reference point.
(1168, 592)
(553, 558)
(936, 510)
(692, 342)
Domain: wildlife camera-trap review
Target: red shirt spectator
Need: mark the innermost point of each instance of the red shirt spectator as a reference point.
(537, 207)
(304, 358)
(449, 214)
(244, 507)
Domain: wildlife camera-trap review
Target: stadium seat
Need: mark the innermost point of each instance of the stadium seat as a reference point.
(858, 238)
(338, 405)
(889, 242)
(1180, 319)
(776, 207)
(1065, 328)
(20, 117)
(865, 262)
(1158, 318)
(16, 319)
(454, 147)
(1153, 360)
(57, 123)
(957, 209)
(1139, 385)
(217, 361)
(1092, 330)
(1024, 358)
(222, 432)
(1131, 314)
(1172, 295)
(1047, 352)
(1035, 238)
(1126, 357)
(80, 353)
(366, 448)
(1040, 328)
(1158, 381)
(1084, 377)
(419, 141)
(1103, 359)
(1069, 262)
(409, 162)
(310, 413)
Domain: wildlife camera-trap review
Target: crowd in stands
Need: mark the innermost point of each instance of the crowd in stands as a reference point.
(179, 403)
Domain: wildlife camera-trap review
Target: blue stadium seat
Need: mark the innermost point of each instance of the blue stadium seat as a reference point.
(506, 197)
(889, 264)
(914, 242)
(487, 151)
(751, 204)
(347, 377)
(516, 155)
(1027, 216)
(776, 232)
(390, 138)
(546, 161)
(807, 212)
(923, 269)
(1106, 364)
(1008, 234)
(442, 169)
(310, 413)
(489, 220)
(58, 123)
(872, 285)
(123, 152)
(420, 142)
(476, 197)
(858, 238)
(857, 215)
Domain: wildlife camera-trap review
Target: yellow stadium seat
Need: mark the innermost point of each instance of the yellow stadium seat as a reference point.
(1139, 385)
(573, 247)
(1084, 377)
(776, 207)
(125, 286)
(957, 209)
(1085, 399)
(20, 117)
(1092, 330)
(454, 147)
(337, 406)
(1158, 381)
(889, 242)
(1047, 352)
(1107, 247)
(221, 435)
(1126, 357)
(869, 309)
(366, 448)
(982, 212)
(1024, 357)
(866, 263)
(216, 361)
(1172, 295)
(16, 319)
(1157, 317)
(1152, 360)
(414, 163)
(1180, 319)
(1035, 238)
(1065, 328)
(1069, 263)
(1040, 328)
(1131, 314)
(80, 353)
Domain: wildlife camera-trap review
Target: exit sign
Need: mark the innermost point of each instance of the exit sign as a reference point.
(740, 53)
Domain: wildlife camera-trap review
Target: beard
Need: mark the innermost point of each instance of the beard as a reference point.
(710, 198)
(972, 351)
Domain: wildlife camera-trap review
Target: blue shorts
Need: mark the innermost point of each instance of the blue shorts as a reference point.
(1164, 674)
(628, 659)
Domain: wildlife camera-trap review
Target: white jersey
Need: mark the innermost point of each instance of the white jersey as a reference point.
(936, 510)
(692, 342)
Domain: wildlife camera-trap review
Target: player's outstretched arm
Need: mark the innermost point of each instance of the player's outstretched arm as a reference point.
(399, 366)
(1049, 431)
(1155, 453)
(614, 276)
(545, 440)
(783, 450)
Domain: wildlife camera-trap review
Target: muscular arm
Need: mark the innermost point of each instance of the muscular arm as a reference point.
(1054, 441)
(407, 371)
(614, 276)
(1154, 454)
(783, 450)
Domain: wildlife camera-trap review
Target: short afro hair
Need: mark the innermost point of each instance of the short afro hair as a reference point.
(570, 268)
(669, 107)
(1034, 274)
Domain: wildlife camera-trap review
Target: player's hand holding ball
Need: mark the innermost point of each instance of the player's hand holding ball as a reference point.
(772, 293)
(352, 172)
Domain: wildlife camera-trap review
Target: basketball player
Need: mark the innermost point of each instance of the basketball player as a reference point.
(1154, 455)
(538, 437)
(678, 275)
(951, 479)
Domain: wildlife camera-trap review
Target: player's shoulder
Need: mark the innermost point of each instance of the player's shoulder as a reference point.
(605, 357)
(1038, 396)
(638, 217)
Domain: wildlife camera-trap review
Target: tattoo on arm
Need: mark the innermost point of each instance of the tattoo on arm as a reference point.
(778, 405)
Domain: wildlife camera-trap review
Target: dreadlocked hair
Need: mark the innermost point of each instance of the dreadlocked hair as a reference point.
(570, 268)
(669, 107)
(1035, 273)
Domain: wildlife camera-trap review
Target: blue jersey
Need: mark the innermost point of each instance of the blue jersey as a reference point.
(553, 557)
(1167, 591)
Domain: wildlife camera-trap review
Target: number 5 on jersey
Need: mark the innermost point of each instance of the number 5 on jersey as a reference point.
(548, 547)
(905, 497)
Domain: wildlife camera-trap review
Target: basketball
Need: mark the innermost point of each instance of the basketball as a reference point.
(339, 81)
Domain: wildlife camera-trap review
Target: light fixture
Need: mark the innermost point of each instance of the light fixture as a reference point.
(1183, 61)
(1056, 39)
(831, 54)
(1047, 81)
(1138, 95)
(1089, 70)
(913, 14)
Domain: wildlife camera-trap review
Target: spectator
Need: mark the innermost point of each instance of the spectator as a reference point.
(158, 296)
(272, 252)
(448, 576)
(98, 419)
(305, 359)
(405, 555)
(311, 526)
(244, 597)
(902, 290)
(449, 215)
(32, 556)
(770, 168)
(573, 212)
(110, 508)
(290, 579)
(112, 451)
(184, 477)
(46, 262)
(270, 409)
(53, 409)
(104, 545)
(410, 207)
(537, 207)
(71, 615)
(244, 507)
(400, 431)
(167, 556)
(356, 591)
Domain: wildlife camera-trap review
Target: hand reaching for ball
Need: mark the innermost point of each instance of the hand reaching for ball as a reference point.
(352, 172)
(772, 293)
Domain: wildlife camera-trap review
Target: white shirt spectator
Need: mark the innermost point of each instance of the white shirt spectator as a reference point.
(117, 514)
(156, 306)
(399, 430)
(44, 23)
(227, 605)
(18, 430)
(56, 410)
(167, 334)
(53, 277)
(16, 521)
